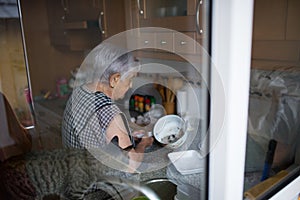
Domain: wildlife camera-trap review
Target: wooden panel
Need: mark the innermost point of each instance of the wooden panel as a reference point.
(82, 9)
(169, 56)
(55, 21)
(293, 23)
(136, 40)
(269, 19)
(46, 63)
(183, 44)
(83, 39)
(273, 65)
(76, 25)
(191, 7)
(145, 40)
(164, 41)
(184, 23)
(114, 17)
(276, 50)
(181, 23)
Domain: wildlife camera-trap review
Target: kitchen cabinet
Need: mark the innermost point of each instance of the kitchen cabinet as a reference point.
(269, 19)
(276, 20)
(276, 34)
(177, 15)
(293, 16)
(182, 45)
(189, 17)
(82, 24)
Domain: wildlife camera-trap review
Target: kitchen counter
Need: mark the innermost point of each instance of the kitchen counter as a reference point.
(56, 105)
(163, 168)
(156, 163)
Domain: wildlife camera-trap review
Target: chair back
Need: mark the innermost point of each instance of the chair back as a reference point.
(14, 138)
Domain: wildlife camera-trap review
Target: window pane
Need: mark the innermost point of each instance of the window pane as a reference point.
(80, 148)
(272, 158)
(13, 78)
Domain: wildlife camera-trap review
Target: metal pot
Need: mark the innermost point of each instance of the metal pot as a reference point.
(164, 188)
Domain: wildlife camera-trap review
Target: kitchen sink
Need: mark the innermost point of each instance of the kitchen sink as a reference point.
(164, 188)
(153, 189)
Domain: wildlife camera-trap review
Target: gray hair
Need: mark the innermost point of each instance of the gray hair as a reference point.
(103, 61)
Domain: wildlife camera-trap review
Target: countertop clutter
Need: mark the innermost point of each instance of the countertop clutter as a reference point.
(156, 164)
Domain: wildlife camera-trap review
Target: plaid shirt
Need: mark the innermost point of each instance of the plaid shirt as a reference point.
(86, 118)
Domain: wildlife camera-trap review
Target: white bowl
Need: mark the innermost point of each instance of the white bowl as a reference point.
(170, 130)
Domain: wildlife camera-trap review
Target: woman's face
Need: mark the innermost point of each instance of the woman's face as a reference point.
(123, 85)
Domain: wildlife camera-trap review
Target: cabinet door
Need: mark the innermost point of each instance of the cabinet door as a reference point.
(182, 44)
(84, 14)
(72, 35)
(164, 41)
(113, 19)
(178, 15)
(269, 19)
(97, 13)
(83, 24)
(187, 16)
(77, 10)
(56, 17)
(293, 16)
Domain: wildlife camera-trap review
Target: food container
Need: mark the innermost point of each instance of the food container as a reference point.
(170, 131)
(187, 162)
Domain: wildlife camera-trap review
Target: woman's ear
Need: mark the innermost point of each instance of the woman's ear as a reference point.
(114, 79)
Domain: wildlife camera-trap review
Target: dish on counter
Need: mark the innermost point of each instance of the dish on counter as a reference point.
(170, 131)
(187, 162)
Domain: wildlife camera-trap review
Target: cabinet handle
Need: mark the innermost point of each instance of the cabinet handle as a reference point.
(65, 5)
(163, 42)
(182, 43)
(100, 22)
(198, 28)
(139, 7)
(146, 42)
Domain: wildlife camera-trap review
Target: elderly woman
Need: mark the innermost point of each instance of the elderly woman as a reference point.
(91, 118)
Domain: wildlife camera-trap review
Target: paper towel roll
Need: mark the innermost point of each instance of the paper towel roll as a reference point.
(194, 99)
(181, 102)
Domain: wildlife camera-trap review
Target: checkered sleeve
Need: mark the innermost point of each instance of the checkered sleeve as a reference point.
(106, 115)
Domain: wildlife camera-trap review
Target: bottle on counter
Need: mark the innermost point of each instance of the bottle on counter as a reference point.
(141, 104)
(147, 103)
(62, 88)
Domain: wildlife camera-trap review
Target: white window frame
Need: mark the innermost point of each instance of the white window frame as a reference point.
(231, 57)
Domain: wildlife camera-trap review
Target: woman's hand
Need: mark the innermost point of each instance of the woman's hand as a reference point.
(136, 155)
(146, 141)
(141, 138)
(137, 135)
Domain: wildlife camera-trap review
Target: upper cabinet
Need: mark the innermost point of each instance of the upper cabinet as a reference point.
(189, 17)
(82, 24)
(293, 25)
(179, 15)
(276, 20)
(276, 33)
(269, 19)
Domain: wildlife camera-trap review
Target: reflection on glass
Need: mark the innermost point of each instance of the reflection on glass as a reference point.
(51, 57)
(166, 8)
(273, 128)
(13, 77)
(273, 144)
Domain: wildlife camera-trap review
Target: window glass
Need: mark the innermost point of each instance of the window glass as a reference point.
(91, 124)
(13, 77)
(272, 154)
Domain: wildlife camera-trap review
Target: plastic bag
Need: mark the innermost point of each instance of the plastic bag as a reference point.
(274, 111)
